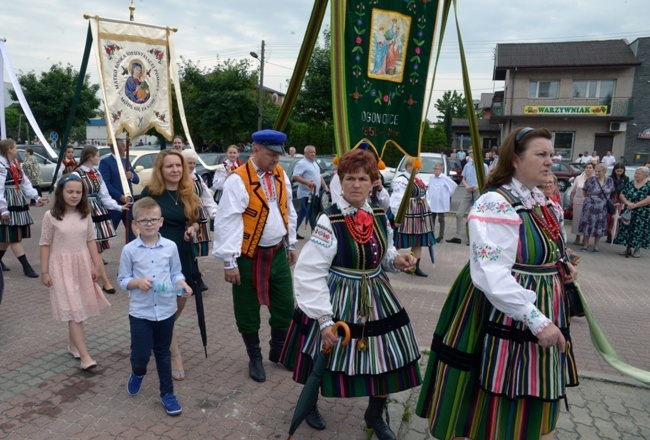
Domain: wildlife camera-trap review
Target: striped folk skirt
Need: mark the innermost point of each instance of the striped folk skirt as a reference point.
(487, 377)
(202, 238)
(389, 364)
(102, 221)
(20, 219)
(417, 227)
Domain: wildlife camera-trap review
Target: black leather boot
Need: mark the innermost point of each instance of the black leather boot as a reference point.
(255, 366)
(418, 271)
(375, 421)
(314, 419)
(277, 344)
(4, 268)
(27, 268)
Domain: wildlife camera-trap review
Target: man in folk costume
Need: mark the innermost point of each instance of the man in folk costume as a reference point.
(255, 236)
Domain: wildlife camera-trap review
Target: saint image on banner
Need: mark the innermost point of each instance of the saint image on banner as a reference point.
(136, 87)
(388, 45)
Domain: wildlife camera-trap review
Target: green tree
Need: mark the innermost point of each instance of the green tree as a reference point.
(50, 96)
(13, 118)
(451, 105)
(433, 139)
(220, 103)
(314, 103)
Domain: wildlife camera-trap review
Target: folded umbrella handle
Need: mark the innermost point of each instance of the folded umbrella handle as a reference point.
(335, 328)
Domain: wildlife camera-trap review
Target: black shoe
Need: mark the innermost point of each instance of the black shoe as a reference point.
(29, 272)
(314, 419)
(454, 240)
(375, 421)
(300, 237)
(202, 286)
(439, 239)
(110, 291)
(4, 268)
(104, 261)
(418, 272)
(609, 240)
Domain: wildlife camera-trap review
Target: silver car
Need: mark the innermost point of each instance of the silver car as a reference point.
(47, 168)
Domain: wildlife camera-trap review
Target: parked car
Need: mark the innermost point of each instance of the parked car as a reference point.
(455, 170)
(329, 169)
(47, 167)
(288, 164)
(387, 175)
(102, 149)
(564, 171)
(428, 159)
(41, 150)
(142, 163)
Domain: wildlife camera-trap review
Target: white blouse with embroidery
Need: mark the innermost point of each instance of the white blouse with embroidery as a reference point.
(494, 239)
(312, 268)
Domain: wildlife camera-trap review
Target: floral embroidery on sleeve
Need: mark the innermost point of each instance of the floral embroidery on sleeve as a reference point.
(500, 207)
(485, 252)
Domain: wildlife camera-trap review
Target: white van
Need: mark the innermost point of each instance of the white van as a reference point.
(428, 159)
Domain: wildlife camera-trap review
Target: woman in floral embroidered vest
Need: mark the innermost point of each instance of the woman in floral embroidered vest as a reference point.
(501, 356)
(340, 276)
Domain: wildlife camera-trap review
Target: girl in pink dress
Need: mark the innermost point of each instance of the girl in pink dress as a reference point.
(70, 262)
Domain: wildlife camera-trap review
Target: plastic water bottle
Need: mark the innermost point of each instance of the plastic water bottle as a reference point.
(161, 286)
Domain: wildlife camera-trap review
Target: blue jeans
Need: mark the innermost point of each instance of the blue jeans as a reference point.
(157, 336)
(302, 213)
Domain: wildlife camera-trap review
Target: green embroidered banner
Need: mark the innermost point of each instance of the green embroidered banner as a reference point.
(381, 51)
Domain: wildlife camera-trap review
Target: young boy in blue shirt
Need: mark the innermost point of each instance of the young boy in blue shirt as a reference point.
(150, 269)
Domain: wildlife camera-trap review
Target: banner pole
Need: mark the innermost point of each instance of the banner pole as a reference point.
(75, 103)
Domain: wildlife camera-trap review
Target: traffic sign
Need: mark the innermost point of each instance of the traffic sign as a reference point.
(54, 136)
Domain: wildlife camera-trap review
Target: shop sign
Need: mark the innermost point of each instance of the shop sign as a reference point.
(565, 110)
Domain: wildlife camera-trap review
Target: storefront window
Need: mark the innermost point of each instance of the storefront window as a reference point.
(563, 143)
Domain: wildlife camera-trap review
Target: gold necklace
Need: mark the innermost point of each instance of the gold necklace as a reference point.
(172, 197)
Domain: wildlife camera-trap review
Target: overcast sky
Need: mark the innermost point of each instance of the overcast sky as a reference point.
(40, 33)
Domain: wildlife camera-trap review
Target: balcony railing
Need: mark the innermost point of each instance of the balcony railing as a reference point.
(617, 107)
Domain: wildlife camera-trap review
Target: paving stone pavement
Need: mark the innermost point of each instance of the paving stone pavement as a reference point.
(44, 395)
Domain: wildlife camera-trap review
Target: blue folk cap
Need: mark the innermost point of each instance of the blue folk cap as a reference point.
(271, 139)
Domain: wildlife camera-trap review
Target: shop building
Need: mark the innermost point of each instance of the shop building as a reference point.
(583, 92)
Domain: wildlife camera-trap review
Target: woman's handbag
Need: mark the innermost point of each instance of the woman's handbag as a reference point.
(626, 217)
(611, 209)
(568, 214)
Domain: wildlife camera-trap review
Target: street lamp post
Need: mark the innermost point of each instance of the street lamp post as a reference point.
(260, 105)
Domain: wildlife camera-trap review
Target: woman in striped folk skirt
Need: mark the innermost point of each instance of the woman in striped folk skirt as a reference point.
(15, 191)
(417, 228)
(501, 355)
(340, 276)
(207, 211)
(100, 202)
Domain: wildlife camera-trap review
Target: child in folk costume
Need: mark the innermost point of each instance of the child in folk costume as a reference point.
(100, 202)
(70, 263)
(230, 164)
(417, 227)
(68, 164)
(14, 206)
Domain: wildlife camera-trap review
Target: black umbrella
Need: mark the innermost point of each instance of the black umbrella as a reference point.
(309, 395)
(313, 207)
(195, 284)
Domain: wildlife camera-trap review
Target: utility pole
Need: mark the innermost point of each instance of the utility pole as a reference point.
(260, 105)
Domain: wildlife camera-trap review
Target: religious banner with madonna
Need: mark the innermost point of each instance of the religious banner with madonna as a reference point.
(381, 51)
(134, 66)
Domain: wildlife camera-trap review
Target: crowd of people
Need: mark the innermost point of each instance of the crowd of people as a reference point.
(501, 355)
